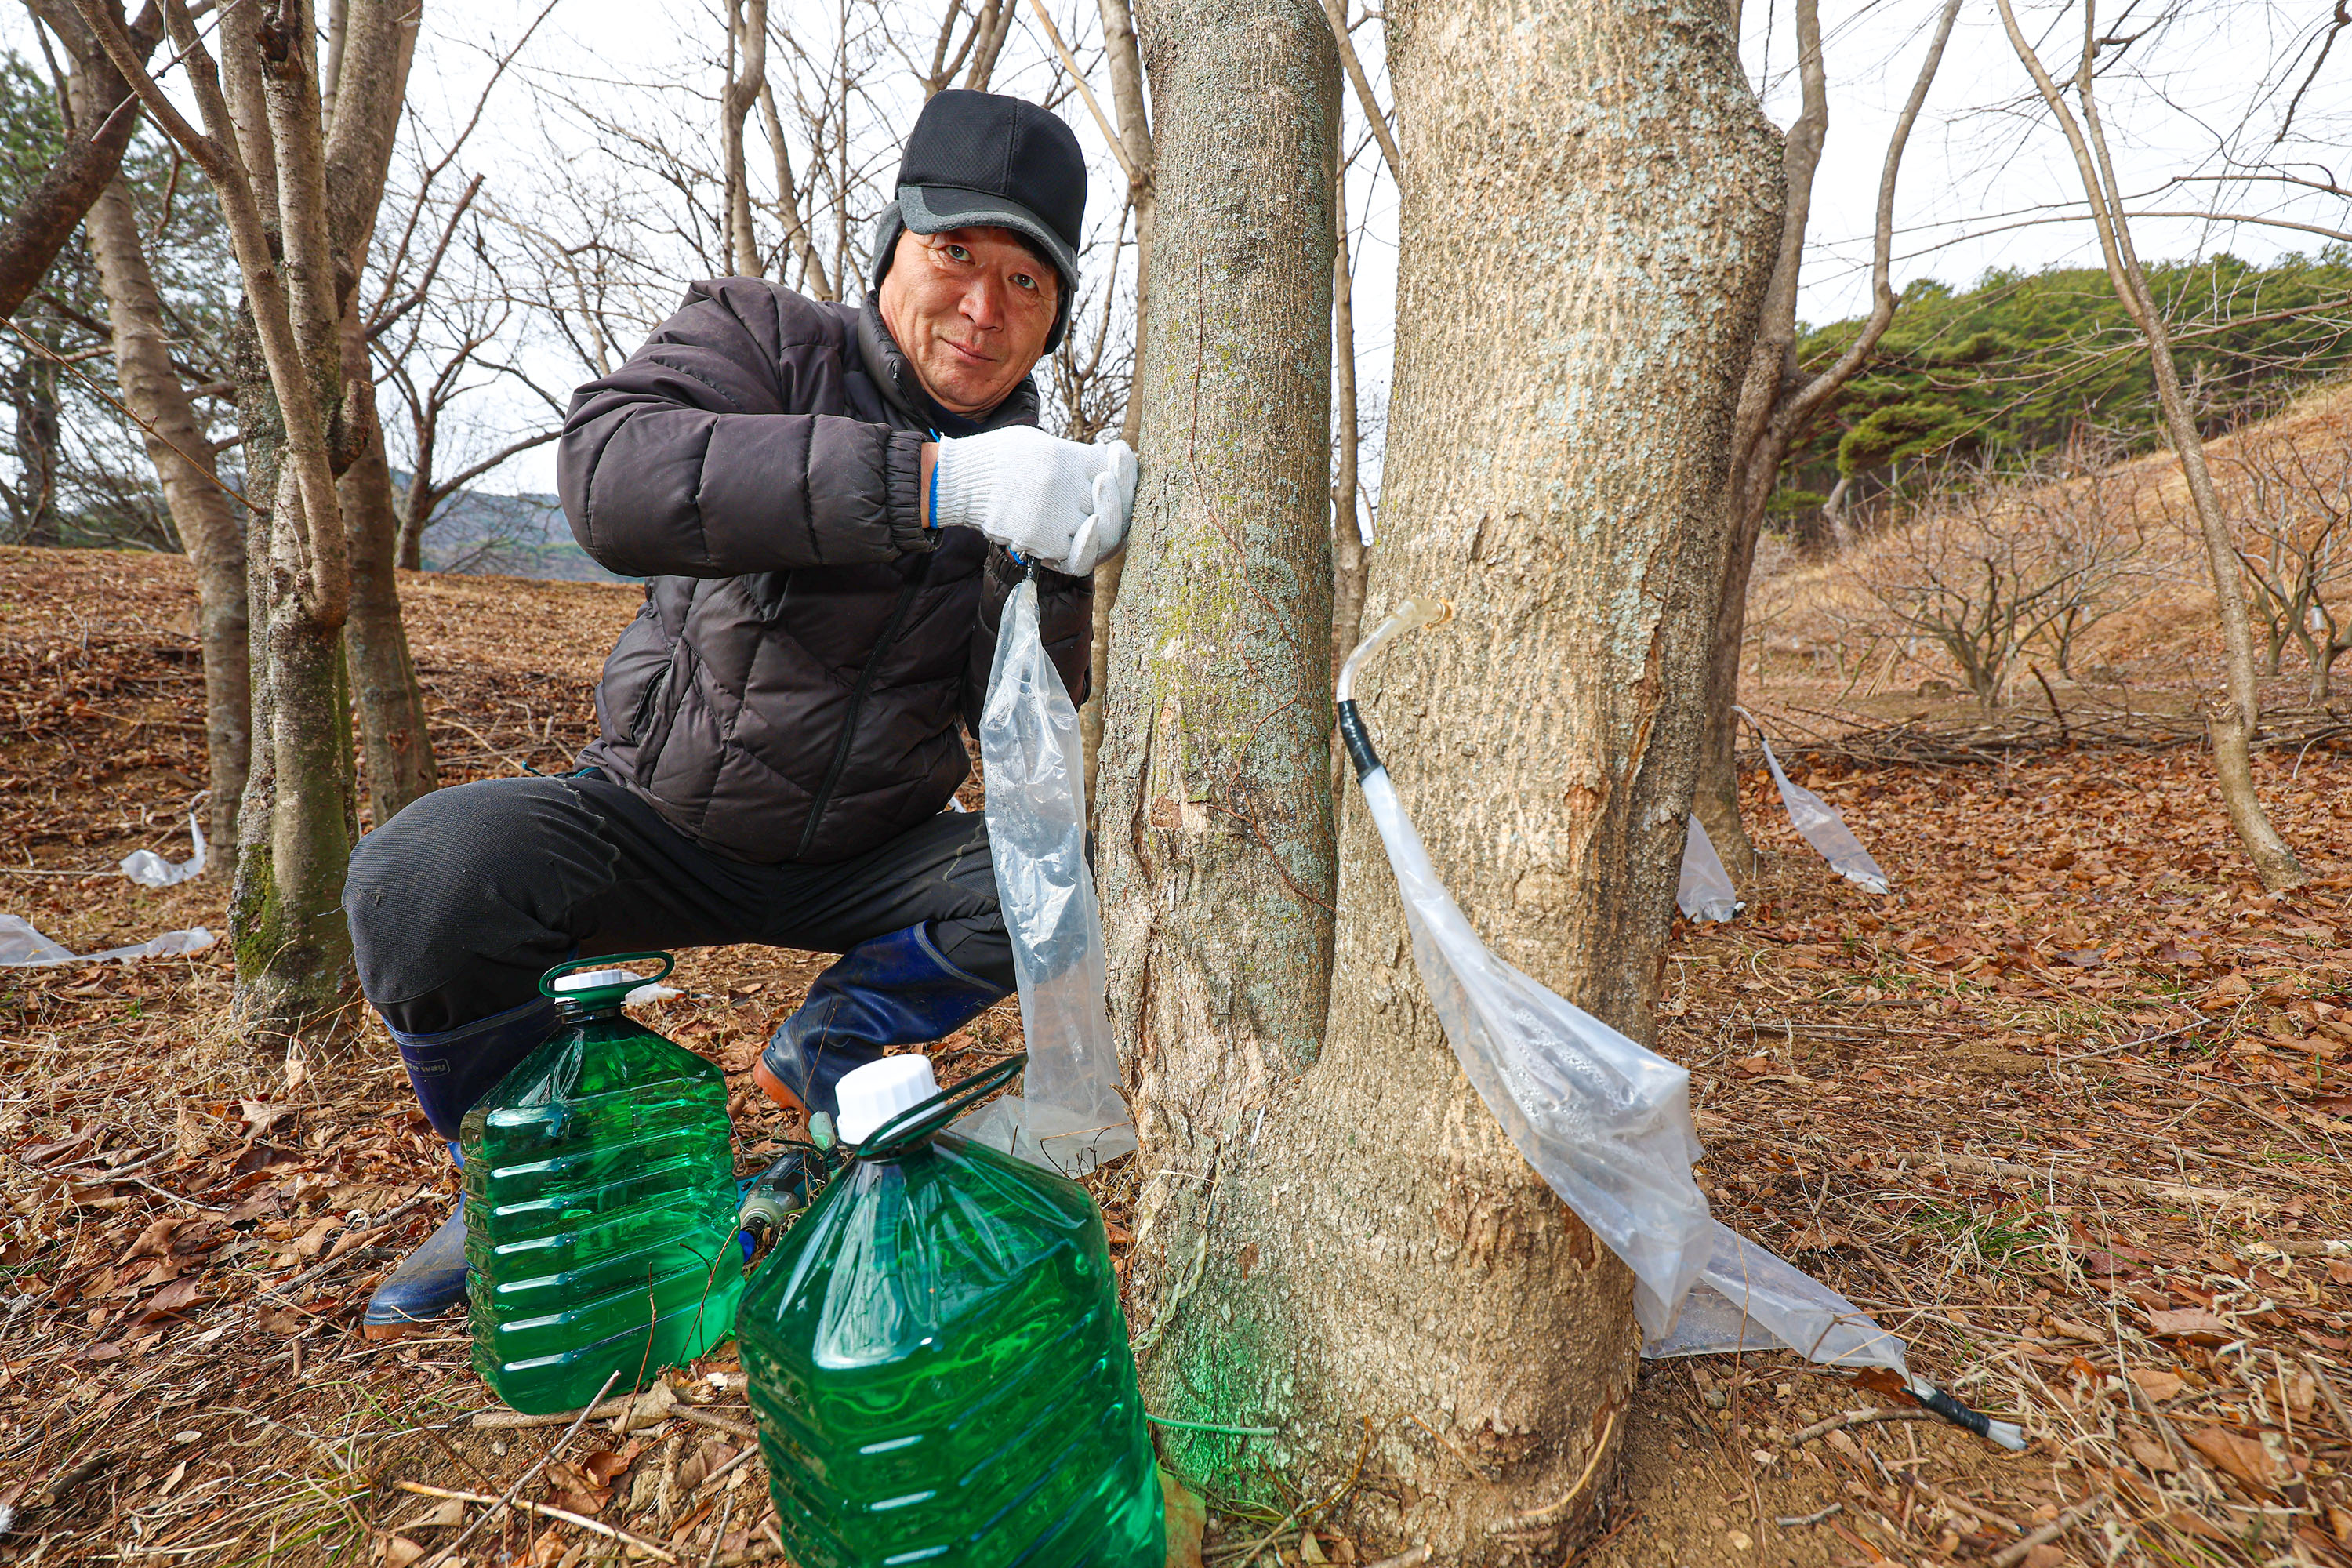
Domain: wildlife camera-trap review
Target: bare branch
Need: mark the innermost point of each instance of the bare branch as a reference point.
(1335, 12)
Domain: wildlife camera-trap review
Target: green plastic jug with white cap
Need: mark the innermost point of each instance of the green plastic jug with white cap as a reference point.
(600, 1202)
(936, 1355)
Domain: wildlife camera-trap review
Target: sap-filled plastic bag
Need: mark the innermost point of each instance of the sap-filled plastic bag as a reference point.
(1071, 1116)
(1704, 891)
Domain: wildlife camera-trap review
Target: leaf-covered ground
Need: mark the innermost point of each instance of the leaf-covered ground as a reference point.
(2069, 1110)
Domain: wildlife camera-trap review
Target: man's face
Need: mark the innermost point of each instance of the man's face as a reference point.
(971, 309)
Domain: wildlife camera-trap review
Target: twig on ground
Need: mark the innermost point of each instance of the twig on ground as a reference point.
(545, 1511)
(2010, 1556)
(1854, 1418)
(529, 1475)
(1814, 1518)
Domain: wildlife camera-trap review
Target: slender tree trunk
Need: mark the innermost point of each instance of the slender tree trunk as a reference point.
(1217, 805)
(1776, 406)
(1349, 560)
(396, 749)
(747, 71)
(1125, 63)
(2230, 723)
(379, 40)
(1556, 468)
(211, 526)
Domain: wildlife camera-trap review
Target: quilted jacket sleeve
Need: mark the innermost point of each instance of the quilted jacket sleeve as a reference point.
(714, 452)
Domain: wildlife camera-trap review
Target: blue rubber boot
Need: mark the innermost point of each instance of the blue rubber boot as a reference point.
(450, 1072)
(894, 990)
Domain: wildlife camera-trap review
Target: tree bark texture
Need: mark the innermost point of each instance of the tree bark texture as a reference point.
(211, 525)
(1591, 204)
(1215, 837)
(1123, 58)
(105, 119)
(396, 749)
(1349, 560)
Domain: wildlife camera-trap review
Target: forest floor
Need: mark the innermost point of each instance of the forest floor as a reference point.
(2069, 1110)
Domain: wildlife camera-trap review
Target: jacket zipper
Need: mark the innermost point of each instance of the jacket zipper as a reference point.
(858, 701)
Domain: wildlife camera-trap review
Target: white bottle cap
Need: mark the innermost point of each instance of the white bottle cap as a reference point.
(589, 979)
(872, 1094)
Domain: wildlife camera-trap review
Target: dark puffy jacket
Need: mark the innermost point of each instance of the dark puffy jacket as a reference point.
(792, 687)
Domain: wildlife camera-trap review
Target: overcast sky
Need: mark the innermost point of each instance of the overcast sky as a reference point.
(1987, 182)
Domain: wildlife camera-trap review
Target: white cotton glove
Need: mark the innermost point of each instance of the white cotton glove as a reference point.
(1064, 503)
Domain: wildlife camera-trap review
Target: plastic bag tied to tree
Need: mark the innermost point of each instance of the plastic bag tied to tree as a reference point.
(1821, 825)
(1070, 1116)
(1607, 1123)
(1704, 891)
(1604, 1121)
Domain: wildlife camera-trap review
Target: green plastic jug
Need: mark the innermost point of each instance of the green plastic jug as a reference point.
(600, 1203)
(938, 1359)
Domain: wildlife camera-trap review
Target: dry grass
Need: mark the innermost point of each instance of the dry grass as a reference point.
(2075, 1073)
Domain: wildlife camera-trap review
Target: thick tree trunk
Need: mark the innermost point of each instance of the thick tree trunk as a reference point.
(1216, 805)
(1556, 468)
(211, 526)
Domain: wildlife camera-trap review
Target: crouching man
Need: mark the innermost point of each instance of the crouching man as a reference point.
(831, 504)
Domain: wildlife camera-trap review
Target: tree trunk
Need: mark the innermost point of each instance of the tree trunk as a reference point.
(292, 949)
(396, 749)
(1349, 562)
(1124, 61)
(1556, 466)
(1216, 807)
(1776, 406)
(2230, 723)
(210, 524)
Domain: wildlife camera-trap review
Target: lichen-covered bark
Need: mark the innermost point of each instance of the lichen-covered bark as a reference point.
(1590, 208)
(1216, 818)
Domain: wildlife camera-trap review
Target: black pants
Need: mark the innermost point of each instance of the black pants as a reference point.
(462, 901)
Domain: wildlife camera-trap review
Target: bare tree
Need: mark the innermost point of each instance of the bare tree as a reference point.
(2231, 721)
(206, 515)
(2293, 497)
(1991, 566)
(1779, 403)
(291, 196)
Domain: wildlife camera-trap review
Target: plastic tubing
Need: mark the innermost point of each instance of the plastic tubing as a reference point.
(1410, 615)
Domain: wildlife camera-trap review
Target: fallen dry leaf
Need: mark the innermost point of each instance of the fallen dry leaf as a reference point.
(398, 1552)
(2158, 1387)
(2244, 1459)
(2195, 1324)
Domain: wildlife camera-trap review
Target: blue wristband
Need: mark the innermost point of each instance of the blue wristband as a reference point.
(931, 517)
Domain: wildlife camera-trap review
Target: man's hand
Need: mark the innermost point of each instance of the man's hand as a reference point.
(1064, 503)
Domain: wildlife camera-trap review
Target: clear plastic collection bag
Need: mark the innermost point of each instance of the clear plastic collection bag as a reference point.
(1070, 1116)
(22, 947)
(1606, 1122)
(1821, 825)
(150, 870)
(1704, 891)
(1747, 1299)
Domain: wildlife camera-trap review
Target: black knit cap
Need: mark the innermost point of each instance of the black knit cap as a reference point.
(981, 159)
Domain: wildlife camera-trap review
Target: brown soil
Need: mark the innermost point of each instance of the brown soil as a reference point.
(2067, 1110)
